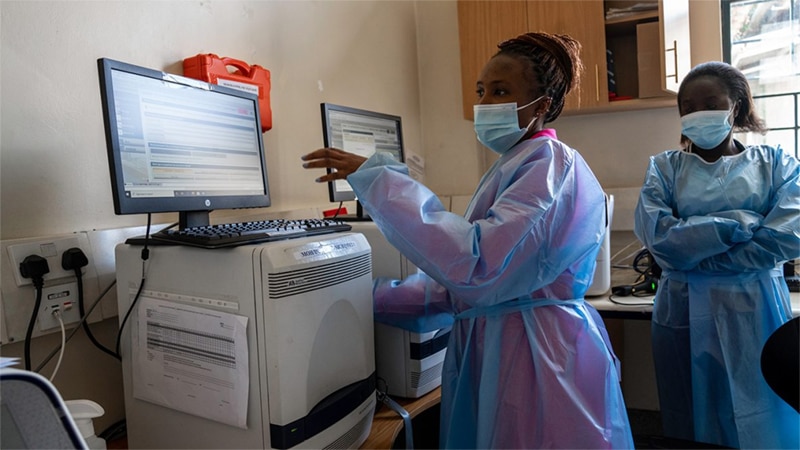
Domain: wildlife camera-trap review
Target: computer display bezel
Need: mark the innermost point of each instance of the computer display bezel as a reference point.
(193, 210)
(334, 194)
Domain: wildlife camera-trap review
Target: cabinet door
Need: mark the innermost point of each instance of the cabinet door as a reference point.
(674, 18)
(585, 21)
(482, 25)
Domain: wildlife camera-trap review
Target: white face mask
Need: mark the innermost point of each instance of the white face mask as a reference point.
(497, 126)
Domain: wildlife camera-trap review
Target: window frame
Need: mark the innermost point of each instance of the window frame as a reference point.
(727, 57)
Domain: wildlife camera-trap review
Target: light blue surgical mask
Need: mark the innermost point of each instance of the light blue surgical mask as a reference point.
(707, 129)
(497, 125)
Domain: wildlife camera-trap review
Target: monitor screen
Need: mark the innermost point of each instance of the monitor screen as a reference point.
(361, 132)
(182, 145)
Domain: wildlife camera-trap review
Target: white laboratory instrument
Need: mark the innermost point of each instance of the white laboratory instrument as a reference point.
(408, 364)
(602, 272)
(301, 371)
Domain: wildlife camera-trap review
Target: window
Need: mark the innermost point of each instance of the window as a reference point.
(762, 39)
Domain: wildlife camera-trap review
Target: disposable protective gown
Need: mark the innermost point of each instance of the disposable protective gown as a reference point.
(720, 232)
(528, 364)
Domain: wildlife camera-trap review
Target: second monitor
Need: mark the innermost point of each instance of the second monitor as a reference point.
(361, 132)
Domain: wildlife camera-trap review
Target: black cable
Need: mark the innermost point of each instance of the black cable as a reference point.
(82, 311)
(646, 283)
(172, 225)
(38, 284)
(645, 264)
(145, 257)
(130, 309)
(115, 431)
(34, 267)
(613, 300)
(338, 210)
(75, 330)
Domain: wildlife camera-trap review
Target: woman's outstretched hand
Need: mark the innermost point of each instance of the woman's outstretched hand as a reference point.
(332, 158)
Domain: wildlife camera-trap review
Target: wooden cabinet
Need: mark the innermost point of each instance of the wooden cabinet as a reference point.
(652, 43)
(481, 26)
(583, 20)
(677, 58)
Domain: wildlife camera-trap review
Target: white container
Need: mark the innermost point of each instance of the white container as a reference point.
(601, 282)
(83, 412)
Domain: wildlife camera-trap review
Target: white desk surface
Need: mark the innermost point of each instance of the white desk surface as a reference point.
(645, 304)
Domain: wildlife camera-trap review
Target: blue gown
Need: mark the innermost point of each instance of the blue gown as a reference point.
(720, 231)
(528, 363)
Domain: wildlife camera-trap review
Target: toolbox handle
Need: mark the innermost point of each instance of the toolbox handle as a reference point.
(241, 66)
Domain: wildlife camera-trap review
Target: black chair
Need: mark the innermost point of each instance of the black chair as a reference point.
(780, 362)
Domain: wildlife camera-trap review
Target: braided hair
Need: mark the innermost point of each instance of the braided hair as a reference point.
(553, 62)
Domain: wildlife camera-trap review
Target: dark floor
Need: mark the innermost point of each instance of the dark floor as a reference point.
(645, 426)
(648, 433)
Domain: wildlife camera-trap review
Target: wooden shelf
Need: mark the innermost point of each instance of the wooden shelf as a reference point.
(642, 16)
(386, 424)
(627, 25)
(627, 105)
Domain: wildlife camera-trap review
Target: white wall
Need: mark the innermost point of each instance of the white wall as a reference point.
(453, 157)
(54, 172)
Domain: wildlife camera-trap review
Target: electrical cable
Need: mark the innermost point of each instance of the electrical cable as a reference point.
(172, 225)
(29, 333)
(614, 256)
(145, 257)
(34, 267)
(116, 430)
(78, 327)
(645, 264)
(646, 283)
(619, 265)
(338, 210)
(85, 323)
(383, 397)
(614, 300)
(57, 314)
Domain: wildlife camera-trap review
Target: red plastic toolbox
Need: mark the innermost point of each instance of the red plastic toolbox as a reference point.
(214, 69)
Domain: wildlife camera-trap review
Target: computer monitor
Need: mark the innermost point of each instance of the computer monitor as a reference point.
(177, 144)
(361, 132)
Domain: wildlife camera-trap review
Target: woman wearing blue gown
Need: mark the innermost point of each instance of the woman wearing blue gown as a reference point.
(720, 218)
(528, 364)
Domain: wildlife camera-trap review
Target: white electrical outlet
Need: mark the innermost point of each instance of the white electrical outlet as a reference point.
(63, 297)
(50, 249)
(18, 294)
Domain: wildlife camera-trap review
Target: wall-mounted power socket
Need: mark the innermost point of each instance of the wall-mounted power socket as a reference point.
(61, 297)
(19, 294)
(52, 250)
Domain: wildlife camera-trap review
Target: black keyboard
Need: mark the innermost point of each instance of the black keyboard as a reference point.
(243, 233)
(793, 283)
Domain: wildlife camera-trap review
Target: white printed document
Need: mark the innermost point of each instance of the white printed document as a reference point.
(191, 359)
